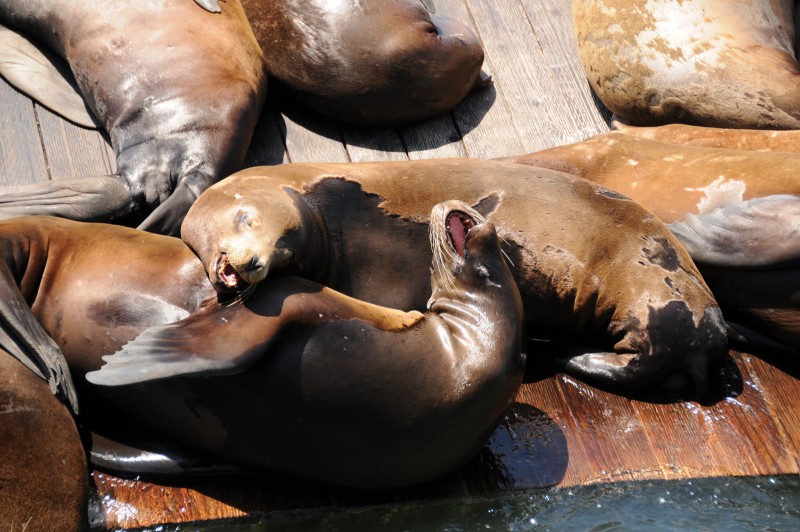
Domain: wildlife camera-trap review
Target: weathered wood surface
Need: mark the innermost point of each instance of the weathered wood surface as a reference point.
(561, 431)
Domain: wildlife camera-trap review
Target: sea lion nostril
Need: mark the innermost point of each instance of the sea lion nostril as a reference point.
(254, 264)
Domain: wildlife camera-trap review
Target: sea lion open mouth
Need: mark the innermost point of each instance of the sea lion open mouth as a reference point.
(226, 274)
(458, 225)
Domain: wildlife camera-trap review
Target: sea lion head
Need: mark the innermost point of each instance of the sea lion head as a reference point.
(241, 237)
(466, 251)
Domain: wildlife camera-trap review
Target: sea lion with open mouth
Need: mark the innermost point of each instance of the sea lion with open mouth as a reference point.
(595, 269)
(177, 88)
(300, 379)
(722, 63)
(737, 212)
(288, 375)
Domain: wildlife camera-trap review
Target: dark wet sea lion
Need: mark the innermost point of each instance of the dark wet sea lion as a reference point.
(593, 267)
(712, 137)
(425, 390)
(372, 62)
(44, 478)
(723, 63)
(737, 212)
(350, 393)
(177, 88)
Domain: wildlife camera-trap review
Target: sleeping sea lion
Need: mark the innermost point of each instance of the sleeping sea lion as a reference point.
(177, 88)
(706, 195)
(371, 62)
(292, 370)
(737, 212)
(594, 268)
(713, 137)
(723, 63)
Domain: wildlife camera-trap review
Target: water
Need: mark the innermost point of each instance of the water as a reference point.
(727, 504)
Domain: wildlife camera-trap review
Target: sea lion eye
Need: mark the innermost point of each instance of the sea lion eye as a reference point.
(243, 220)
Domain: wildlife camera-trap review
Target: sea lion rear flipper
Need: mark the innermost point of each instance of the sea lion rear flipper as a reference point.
(212, 6)
(166, 219)
(43, 76)
(209, 342)
(86, 199)
(174, 463)
(758, 232)
(25, 339)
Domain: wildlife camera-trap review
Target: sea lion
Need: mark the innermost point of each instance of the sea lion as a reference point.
(177, 88)
(594, 268)
(722, 63)
(371, 62)
(712, 137)
(737, 212)
(294, 369)
(706, 195)
(372, 398)
(44, 478)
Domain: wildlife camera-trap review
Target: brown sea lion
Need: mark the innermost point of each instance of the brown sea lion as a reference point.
(712, 137)
(723, 63)
(737, 212)
(292, 374)
(350, 393)
(44, 478)
(727, 207)
(593, 267)
(177, 88)
(371, 62)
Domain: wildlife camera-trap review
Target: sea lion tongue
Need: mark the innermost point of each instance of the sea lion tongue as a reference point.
(458, 225)
(227, 274)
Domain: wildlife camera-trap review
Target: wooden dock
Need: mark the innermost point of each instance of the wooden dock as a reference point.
(560, 432)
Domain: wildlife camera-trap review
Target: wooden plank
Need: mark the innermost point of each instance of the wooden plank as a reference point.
(484, 117)
(530, 85)
(73, 151)
(437, 137)
(22, 158)
(269, 140)
(373, 144)
(309, 137)
(555, 33)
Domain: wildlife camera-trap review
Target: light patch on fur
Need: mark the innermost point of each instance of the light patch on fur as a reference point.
(720, 193)
(679, 38)
(444, 256)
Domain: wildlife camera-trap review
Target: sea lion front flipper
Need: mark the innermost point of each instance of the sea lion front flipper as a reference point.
(209, 342)
(212, 6)
(758, 232)
(86, 199)
(43, 76)
(25, 339)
